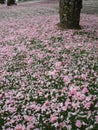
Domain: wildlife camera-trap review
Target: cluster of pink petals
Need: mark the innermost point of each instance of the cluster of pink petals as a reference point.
(78, 123)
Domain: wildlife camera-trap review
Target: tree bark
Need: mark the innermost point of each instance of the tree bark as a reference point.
(11, 2)
(69, 11)
(2, 1)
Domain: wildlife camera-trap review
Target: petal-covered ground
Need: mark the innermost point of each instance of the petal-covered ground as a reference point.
(48, 77)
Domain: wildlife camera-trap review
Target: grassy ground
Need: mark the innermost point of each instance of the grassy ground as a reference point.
(90, 6)
(48, 77)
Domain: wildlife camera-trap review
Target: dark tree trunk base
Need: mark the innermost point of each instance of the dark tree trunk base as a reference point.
(63, 27)
(11, 2)
(2, 2)
(69, 11)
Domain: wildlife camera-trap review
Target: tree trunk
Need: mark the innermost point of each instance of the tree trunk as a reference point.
(69, 11)
(11, 2)
(2, 1)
